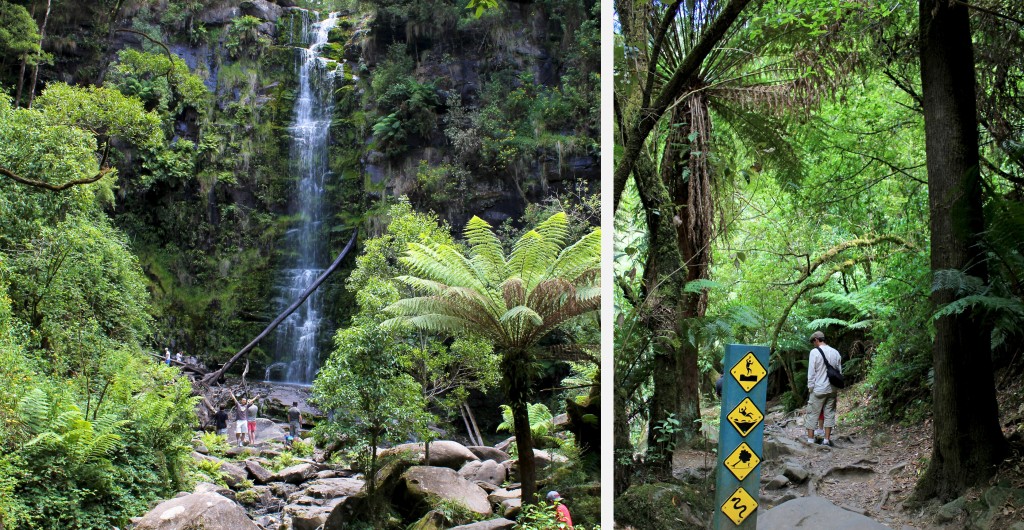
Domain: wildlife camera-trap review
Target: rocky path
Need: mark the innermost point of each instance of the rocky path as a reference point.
(870, 471)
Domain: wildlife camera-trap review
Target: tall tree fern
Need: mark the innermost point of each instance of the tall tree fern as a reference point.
(513, 301)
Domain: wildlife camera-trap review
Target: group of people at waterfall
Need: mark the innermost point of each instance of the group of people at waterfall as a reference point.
(246, 412)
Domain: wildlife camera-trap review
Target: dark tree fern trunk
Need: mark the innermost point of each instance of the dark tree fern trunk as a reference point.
(524, 444)
(518, 385)
(968, 443)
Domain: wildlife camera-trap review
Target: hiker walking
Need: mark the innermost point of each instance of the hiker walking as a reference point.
(241, 423)
(561, 510)
(167, 352)
(821, 394)
(294, 419)
(251, 412)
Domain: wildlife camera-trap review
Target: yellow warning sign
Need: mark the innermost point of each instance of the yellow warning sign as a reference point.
(748, 372)
(742, 461)
(739, 506)
(745, 417)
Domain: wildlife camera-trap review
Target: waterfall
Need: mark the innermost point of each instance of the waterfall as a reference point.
(295, 348)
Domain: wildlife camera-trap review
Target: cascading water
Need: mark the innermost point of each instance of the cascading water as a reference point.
(296, 353)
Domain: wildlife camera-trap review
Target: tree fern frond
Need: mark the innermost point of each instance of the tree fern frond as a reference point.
(697, 286)
(486, 253)
(514, 292)
(826, 322)
(958, 281)
(522, 311)
(763, 132)
(996, 304)
(554, 229)
(581, 256)
(530, 257)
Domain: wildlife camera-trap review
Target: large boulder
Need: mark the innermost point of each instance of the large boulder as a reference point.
(443, 453)
(258, 472)
(487, 471)
(296, 474)
(268, 430)
(306, 517)
(484, 452)
(332, 488)
(261, 9)
(493, 524)
(232, 474)
(813, 512)
(209, 511)
(422, 482)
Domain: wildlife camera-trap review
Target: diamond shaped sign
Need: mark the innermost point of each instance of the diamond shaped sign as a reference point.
(745, 417)
(739, 506)
(748, 372)
(742, 461)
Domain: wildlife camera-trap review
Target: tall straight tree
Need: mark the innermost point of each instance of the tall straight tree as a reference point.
(968, 443)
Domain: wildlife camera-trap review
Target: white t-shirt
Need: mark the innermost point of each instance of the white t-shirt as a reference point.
(817, 376)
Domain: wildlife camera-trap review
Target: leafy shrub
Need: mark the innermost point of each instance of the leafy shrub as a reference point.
(302, 449)
(216, 444)
(283, 460)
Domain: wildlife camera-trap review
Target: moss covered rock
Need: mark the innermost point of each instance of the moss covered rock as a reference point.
(663, 505)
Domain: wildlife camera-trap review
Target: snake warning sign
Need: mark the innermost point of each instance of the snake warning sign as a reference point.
(739, 506)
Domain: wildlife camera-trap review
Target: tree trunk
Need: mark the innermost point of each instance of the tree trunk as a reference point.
(968, 443)
(35, 67)
(524, 444)
(21, 82)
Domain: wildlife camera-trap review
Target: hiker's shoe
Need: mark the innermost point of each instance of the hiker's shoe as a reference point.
(826, 442)
(810, 441)
(819, 433)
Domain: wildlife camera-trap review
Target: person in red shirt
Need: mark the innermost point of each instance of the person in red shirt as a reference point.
(561, 511)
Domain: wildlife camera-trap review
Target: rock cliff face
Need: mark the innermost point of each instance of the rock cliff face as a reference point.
(465, 116)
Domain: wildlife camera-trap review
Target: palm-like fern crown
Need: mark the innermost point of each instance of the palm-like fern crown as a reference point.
(512, 301)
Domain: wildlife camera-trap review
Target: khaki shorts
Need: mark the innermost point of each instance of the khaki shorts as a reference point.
(816, 404)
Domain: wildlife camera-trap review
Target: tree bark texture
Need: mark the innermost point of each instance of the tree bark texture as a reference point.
(524, 443)
(968, 443)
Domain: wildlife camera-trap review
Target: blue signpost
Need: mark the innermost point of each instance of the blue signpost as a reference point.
(741, 435)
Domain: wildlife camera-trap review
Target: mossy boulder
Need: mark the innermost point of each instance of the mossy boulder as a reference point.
(663, 505)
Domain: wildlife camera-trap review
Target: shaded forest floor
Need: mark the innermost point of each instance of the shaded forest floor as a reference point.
(875, 465)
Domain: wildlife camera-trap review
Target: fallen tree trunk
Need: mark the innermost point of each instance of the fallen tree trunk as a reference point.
(214, 376)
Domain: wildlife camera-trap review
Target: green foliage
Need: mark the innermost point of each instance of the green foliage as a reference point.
(283, 460)
(19, 35)
(243, 37)
(210, 468)
(541, 516)
(540, 420)
(407, 107)
(163, 84)
(216, 444)
(454, 512)
(302, 449)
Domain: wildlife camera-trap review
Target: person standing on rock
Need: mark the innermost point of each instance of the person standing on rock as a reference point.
(561, 510)
(251, 412)
(241, 425)
(294, 419)
(220, 421)
(821, 395)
